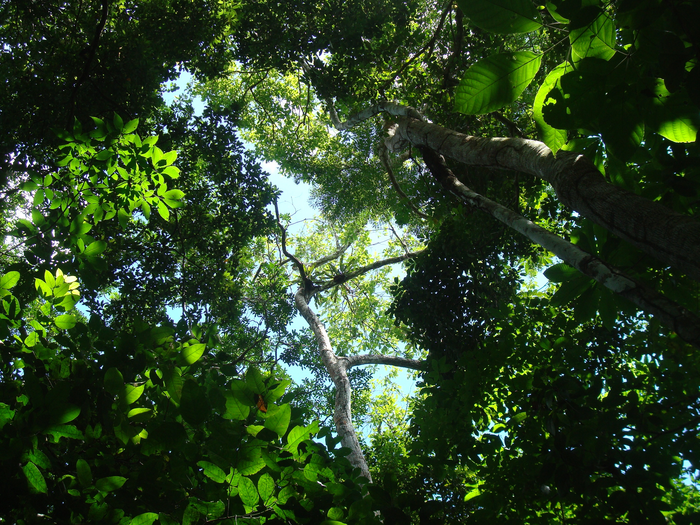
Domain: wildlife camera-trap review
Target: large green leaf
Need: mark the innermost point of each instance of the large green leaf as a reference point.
(594, 40)
(235, 407)
(254, 380)
(501, 16)
(266, 487)
(247, 492)
(192, 352)
(496, 81)
(35, 478)
(673, 115)
(278, 421)
(9, 280)
(554, 138)
(65, 321)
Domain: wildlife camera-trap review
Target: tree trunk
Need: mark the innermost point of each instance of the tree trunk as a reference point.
(684, 323)
(670, 237)
(339, 375)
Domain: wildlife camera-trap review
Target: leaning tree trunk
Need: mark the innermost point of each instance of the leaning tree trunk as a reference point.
(680, 320)
(670, 237)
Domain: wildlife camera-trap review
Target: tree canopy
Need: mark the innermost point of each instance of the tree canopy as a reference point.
(506, 195)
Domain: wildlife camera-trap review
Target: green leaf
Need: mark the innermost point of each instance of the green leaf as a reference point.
(296, 436)
(65, 321)
(163, 210)
(118, 123)
(235, 408)
(596, 39)
(278, 421)
(496, 81)
(168, 158)
(114, 381)
(130, 126)
(110, 483)
(130, 394)
(84, 473)
(560, 273)
(254, 380)
(173, 383)
(192, 353)
(552, 137)
(501, 16)
(174, 195)
(266, 487)
(570, 290)
(64, 413)
(213, 472)
(123, 216)
(139, 415)
(9, 280)
(672, 115)
(251, 461)
(472, 494)
(66, 431)
(247, 492)
(95, 248)
(35, 479)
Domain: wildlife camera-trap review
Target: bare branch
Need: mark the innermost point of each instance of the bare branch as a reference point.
(384, 156)
(376, 359)
(392, 108)
(332, 257)
(367, 268)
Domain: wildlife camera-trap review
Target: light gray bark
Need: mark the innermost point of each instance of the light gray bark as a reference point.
(342, 416)
(684, 323)
(670, 237)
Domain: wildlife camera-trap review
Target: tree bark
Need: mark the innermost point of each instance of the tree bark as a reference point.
(680, 320)
(339, 375)
(670, 237)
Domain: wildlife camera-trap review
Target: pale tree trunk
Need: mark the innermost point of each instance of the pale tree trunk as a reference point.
(648, 223)
(680, 320)
(337, 368)
(670, 237)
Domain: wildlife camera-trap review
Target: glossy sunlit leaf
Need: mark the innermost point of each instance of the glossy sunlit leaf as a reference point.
(65, 321)
(9, 280)
(496, 81)
(192, 353)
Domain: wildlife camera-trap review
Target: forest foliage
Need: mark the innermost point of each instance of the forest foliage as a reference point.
(154, 299)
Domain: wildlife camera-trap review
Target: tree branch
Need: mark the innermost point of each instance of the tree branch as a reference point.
(384, 156)
(683, 322)
(376, 359)
(367, 268)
